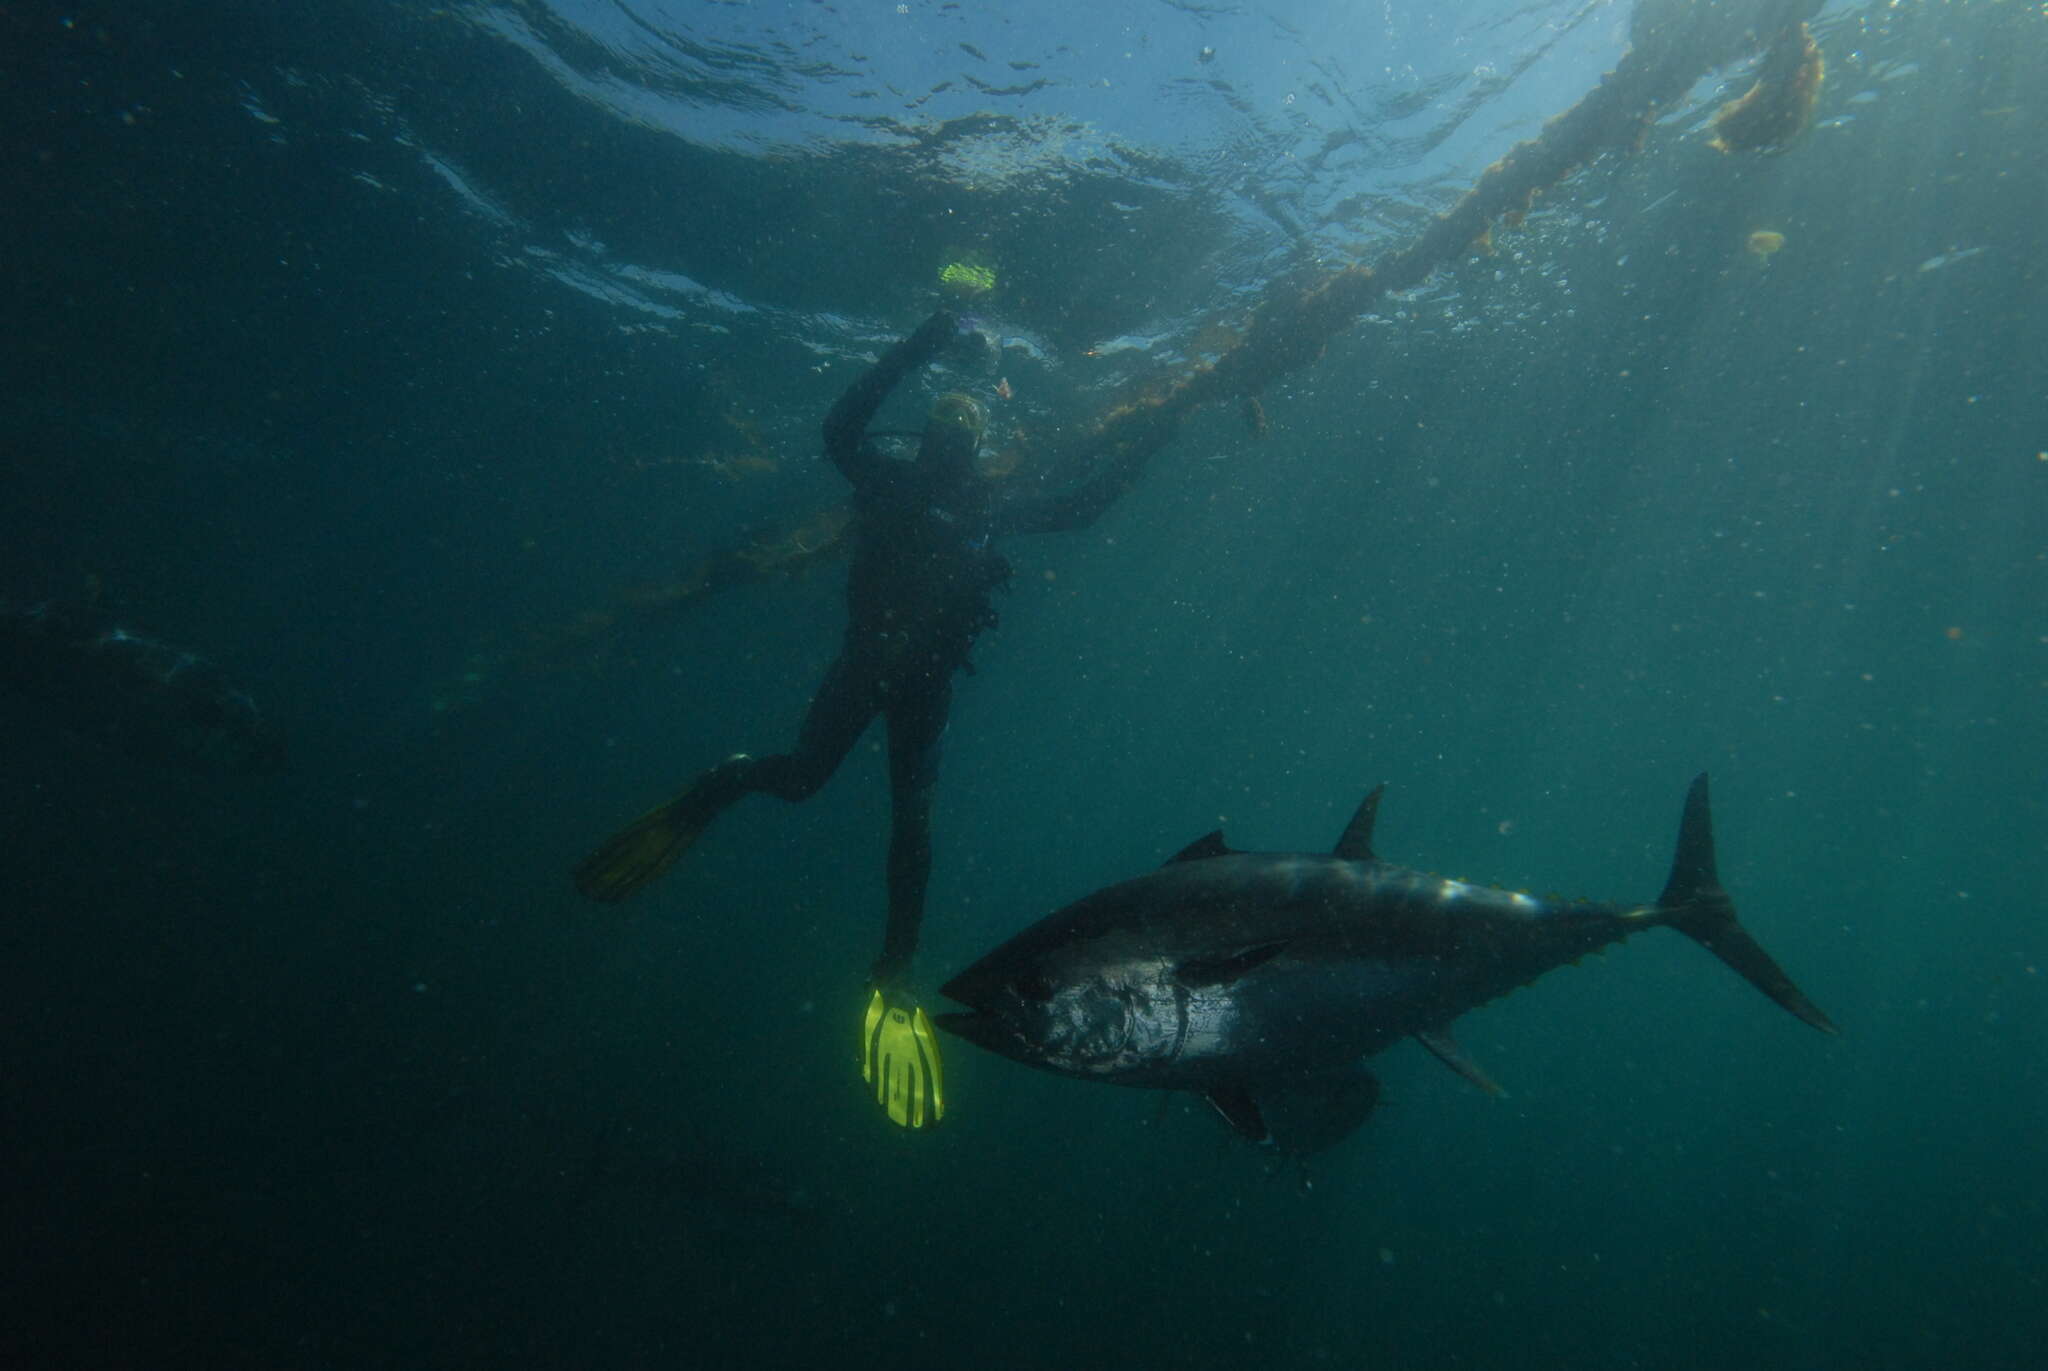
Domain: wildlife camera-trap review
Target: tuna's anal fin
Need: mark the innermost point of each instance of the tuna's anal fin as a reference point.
(1694, 903)
(1240, 1111)
(1440, 1042)
(1210, 844)
(1356, 844)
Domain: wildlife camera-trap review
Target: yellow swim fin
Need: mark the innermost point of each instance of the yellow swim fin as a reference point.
(637, 854)
(900, 1058)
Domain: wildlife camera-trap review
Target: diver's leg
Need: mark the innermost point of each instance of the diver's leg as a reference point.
(917, 722)
(638, 854)
(840, 712)
(899, 1048)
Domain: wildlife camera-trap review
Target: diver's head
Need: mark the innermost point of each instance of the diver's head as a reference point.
(953, 428)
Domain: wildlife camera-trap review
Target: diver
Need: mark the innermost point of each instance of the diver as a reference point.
(921, 574)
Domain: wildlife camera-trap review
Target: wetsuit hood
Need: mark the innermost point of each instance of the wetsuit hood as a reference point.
(952, 429)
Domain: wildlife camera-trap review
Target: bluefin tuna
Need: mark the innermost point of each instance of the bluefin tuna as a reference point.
(1238, 975)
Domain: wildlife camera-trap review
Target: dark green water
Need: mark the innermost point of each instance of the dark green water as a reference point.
(340, 346)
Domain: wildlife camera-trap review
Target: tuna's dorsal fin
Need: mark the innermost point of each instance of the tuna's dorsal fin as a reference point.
(1440, 1041)
(1240, 1111)
(1356, 844)
(1207, 971)
(1210, 844)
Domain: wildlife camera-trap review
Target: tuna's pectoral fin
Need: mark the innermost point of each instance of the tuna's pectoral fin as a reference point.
(1440, 1042)
(1240, 1111)
(1200, 972)
(1300, 1115)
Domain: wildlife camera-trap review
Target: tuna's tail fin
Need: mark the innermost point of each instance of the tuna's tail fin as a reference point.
(1694, 903)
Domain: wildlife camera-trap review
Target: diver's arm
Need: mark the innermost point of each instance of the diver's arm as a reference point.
(846, 425)
(1114, 457)
(1077, 506)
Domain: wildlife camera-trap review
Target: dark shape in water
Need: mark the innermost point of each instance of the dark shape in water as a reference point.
(1240, 975)
(145, 698)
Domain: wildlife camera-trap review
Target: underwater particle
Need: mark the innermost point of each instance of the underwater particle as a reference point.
(967, 279)
(1954, 633)
(1763, 243)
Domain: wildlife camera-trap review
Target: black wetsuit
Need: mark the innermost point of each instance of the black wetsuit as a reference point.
(917, 595)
